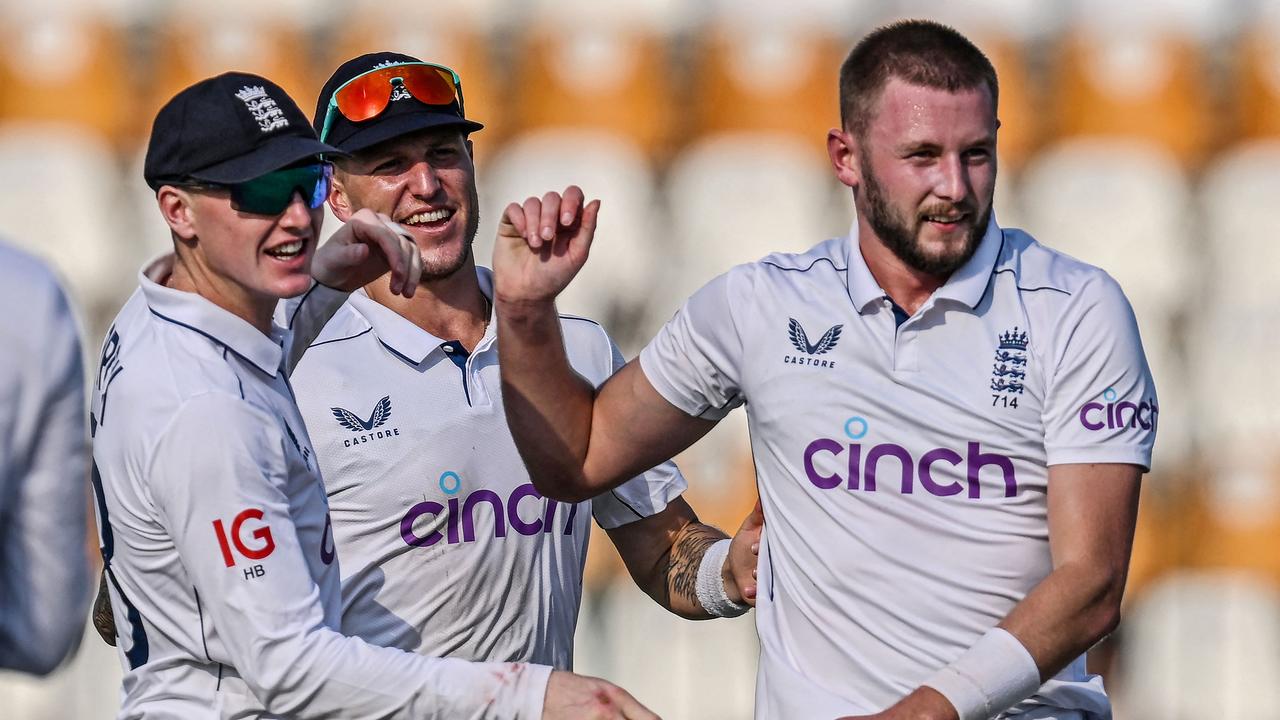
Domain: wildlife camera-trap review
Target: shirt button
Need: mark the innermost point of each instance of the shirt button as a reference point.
(887, 303)
(448, 349)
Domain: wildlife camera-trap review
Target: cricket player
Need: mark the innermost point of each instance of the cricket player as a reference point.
(949, 420)
(44, 462)
(220, 556)
(446, 547)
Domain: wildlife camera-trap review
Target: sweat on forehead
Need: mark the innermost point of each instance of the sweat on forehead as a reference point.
(920, 52)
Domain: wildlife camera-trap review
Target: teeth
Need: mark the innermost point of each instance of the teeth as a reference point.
(287, 250)
(427, 217)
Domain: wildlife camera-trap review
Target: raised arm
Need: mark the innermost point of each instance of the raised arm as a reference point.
(576, 441)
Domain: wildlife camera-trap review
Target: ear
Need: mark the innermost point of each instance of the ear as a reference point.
(471, 152)
(842, 149)
(175, 208)
(339, 203)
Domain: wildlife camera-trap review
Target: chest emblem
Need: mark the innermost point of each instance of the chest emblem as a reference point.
(800, 340)
(1009, 371)
(366, 430)
(809, 352)
(349, 420)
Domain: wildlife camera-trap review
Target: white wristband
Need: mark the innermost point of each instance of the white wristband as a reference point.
(710, 584)
(992, 676)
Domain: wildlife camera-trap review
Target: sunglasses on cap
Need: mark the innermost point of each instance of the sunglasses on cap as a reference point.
(368, 94)
(272, 193)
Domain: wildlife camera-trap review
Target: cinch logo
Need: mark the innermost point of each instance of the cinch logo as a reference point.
(259, 550)
(862, 469)
(800, 340)
(1114, 415)
(461, 513)
(380, 415)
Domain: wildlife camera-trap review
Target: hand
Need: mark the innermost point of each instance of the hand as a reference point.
(923, 704)
(542, 245)
(363, 250)
(103, 621)
(577, 697)
(739, 571)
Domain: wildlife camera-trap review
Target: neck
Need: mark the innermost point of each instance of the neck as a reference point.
(907, 287)
(191, 276)
(451, 308)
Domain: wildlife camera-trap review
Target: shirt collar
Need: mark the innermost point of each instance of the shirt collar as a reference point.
(197, 313)
(405, 338)
(966, 285)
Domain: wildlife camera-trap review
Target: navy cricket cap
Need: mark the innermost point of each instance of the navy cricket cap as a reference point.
(404, 113)
(228, 129)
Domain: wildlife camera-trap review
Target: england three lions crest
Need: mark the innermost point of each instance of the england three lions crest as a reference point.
(1009, 372)
(264, 109)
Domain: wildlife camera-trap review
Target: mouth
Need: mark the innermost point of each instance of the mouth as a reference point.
(429, 220)
(947, 222)
(287, 251)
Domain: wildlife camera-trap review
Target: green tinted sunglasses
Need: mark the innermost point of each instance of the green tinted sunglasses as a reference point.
(272, 193)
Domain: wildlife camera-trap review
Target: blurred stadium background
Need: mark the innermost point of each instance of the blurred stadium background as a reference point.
(1141, 136)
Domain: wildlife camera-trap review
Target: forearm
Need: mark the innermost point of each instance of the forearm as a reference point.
(679, 579)
(1072, 609)
(548, 405)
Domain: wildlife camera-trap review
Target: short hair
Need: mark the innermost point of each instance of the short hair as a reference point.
(921, 52)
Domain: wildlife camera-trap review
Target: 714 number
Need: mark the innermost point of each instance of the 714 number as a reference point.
(1003, 401)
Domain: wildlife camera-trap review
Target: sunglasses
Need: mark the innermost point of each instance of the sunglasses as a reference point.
(368, 94)
(272, 193)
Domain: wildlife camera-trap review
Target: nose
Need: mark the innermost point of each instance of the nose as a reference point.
(423, 181)
(952, 182)
(297, 215)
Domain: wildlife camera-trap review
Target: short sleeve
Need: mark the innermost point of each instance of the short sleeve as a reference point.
(1101, 404)
(695, 361)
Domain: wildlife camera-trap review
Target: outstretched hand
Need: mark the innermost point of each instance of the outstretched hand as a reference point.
(365, 248)
(542, 244)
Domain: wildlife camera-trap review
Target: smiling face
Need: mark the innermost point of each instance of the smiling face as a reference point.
(242, 261)
(923, 170)
(424, 181)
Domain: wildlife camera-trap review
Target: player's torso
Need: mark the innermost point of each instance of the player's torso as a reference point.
(901, 468)
(170, 648)
(446, 547)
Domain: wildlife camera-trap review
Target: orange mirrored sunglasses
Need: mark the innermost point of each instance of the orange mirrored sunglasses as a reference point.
(368, 94)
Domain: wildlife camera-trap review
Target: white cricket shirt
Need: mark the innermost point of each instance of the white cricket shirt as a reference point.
(446, 547)
(222, 568)
(44, 461)
(903, 467)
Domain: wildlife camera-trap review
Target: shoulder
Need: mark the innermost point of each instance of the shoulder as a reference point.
(1035, 268)
(28, 282)
(590, 349)
(826, 257)
(820, 264)
(346, 324)
(165, 361)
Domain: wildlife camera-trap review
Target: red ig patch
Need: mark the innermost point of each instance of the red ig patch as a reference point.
(264, 546)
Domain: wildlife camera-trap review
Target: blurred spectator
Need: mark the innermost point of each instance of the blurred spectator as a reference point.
(44, 569)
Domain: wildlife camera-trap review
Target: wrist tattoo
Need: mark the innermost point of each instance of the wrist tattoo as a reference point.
(685, 559)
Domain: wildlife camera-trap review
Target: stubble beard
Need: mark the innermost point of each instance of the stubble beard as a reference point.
(437, 269)
(903, 240)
